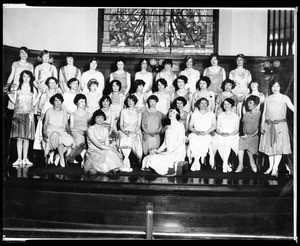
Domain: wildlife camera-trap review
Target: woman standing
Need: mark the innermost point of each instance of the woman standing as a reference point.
(216, 74)
(100, 156)
(23, 127)
(168, 75)
(69, 96)
(164, 98)
(181, 91)
(202, 124)
(164, 159)
(227, 133)
(145, 75)
(275, 139)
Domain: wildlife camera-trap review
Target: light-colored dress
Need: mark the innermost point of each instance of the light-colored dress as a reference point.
(276, 139)
(92, 74)
(220, 98)
(227, 124)
(200, 144)
(216, 79)
(92, 102)
(78, 131)
(66, 73)
(23, 113)
(163, 103)
(56, 131)
(251, 122)
(151, 123)
(175, 143)
(98, 160)
(169, 77)
(124, 78)
(68, 102)
(141, 103)
(134, 140)
(241, 80)
(193, 76)
(209, 95)
(148, 79)
(42, 72)
(18, 67)
(117, 103)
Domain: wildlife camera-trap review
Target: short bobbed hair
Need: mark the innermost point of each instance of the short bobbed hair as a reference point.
(51, 78)
(115, 81)
(130, 97)
(78, 97)
(206, 79)
(198, 102)
(97, 113)
(70, 81)
(152, 97)
(103, 98)
(227, 81)
(58, 96)
(230, 100)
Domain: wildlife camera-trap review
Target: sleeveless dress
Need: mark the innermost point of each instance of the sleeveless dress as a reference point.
(65, 76)
(216, 79)
(80, 127)
(276, 140)
(124, 78)
(98, 160)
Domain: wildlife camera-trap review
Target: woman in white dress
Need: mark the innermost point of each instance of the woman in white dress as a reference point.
(68, 72)
(69, 96)
(164, 159)
(164, 98)
(202, 124)
(191, 73)
(145, 75)
(227, 133)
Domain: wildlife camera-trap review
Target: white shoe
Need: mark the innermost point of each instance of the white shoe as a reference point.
(239, 169)
(126, 169)
(27, 163)
(56, 161)
(17, 163)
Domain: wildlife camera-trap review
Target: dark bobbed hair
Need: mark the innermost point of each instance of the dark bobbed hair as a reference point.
(51, 78)
(186, 58)
(167, 61)
(178, 111)
(94, 59)
(70, 81)
(25, 49)
(181, 99)
(138, 82)
(175, 82)
(141, 61)
(98, 112)
(253, 98)
(118, 82)
(230, 100)
(227, 81)
(160, 80)
(78, 97)
(272, 82)
(152, 97)
(59, 96)
(92, 81)
(197, 103)
(214, 55)
(32, 78)
(103, 98)
(130, 97)
(203, 78)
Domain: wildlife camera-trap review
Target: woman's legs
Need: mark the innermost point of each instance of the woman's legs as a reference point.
(271, 163)
(241, 161)
(196, 166)
(252, 162)
(25, 152)
(277, 159)
(61, 150)
(126, 153)
(224, 153)
(19, 152)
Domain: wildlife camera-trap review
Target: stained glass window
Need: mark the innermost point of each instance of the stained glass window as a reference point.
(158, 31)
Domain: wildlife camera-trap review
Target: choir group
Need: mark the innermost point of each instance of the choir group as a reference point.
(161, 118)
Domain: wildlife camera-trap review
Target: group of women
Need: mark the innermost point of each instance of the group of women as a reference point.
(161, 118)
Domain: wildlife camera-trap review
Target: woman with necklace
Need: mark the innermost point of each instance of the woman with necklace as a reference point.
(241, 78)
(191, 73)
(202, 124)
(216, 74)
(67, 72)
(227, 133)
(275, 139)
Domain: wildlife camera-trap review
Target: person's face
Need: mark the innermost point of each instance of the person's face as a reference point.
(99, 119)
(57, 103)
(140, 88)
(202, 84)
(81, 103)
(167, 66)
(240, 61)
(180, 83)
(179, 104)
(130, 103)
(254, 86)
(276, 88)
(251, 105)
(189, 63)
(120, 65)
(115, 87)
(228, 87)
(23, 55)
(74, 85)
(70, 60)
(227, 106)
(172, 114)
(214, 61)
(144, 65)
(93, 65)
(26, 78)
(152, 103)
(46, 58)
(203, 105)
(105, 103)
(52, 84)
(160, 86)
(93, 87)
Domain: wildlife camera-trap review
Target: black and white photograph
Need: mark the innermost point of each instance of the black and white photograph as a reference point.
(149, 123)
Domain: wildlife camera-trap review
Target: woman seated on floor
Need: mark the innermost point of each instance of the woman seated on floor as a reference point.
(227, 133)
(202, 124)
(164, 159)
(55, 131)
(100, 156)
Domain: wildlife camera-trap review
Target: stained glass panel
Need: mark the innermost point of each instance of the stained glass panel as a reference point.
(148, 31)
